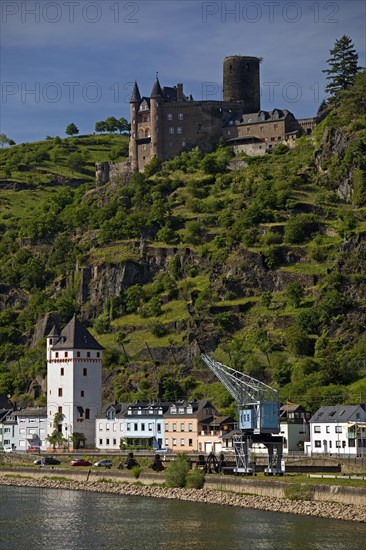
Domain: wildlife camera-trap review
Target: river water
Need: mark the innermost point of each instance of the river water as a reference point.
(37, 519)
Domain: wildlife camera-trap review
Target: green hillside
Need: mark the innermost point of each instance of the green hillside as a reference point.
(264, 266)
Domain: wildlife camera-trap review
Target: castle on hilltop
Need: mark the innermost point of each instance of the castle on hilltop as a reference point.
(169, 122)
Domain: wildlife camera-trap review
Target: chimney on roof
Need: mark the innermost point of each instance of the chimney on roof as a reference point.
(180, 91)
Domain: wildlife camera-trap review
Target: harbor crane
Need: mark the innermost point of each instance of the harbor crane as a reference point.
(259, 417)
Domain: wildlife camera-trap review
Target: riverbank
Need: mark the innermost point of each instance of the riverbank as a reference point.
(330, 510)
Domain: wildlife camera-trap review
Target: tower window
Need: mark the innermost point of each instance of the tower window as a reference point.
(98, 354)
(56, 354)
(66, 353)
(87, 414)
(82, 393)
(60, 410)
(60, 392)
(88, 353)
(78, 354)
(62, 371)
(85, 372)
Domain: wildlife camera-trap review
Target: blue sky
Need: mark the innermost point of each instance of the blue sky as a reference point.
(75, 61)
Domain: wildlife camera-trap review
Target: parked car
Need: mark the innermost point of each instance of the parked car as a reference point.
(80, 462)
(106, 463)
(33, 450)
(46, 460)
(9, 449)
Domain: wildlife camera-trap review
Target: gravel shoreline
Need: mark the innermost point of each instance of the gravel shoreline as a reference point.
(329, 510)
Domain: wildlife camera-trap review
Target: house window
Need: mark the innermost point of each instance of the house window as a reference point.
(183, 143)
(107, 441)
(351, 443)
(338, 429)
(190, 426)
(173, 410)
(82, 393)
(327, 429)
(150, 427)
(180, 116)
(66, 354)
(228, 133)
(317, 443)
(182, 426)
(128, 427)
(60, 410)
(98, 354)
(189, 410)
(166, 442)
(179, 130)
(85, 372)
(100, 441)
(174, 442)
(87, 414)
(171, 130)
(135, 426)
(56, 354)
(174, 426)
(170, 116)
(317, 429)
(107, 427)
(60, 392)
(190, 442)
(330, 444)
(114, 441)
(62, 371)
(338, 444)
(142, 427)
(182, 442)
(100, 427)
(158, 428)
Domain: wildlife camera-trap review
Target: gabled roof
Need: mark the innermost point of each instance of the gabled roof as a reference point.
(341, 413)
(75, 336)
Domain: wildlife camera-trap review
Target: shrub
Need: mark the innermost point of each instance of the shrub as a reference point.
(157, 328)
(299, 491)
(136, 471)
(177, 471)
(195, 479)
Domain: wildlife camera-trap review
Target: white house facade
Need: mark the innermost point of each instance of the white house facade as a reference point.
(74, 381)
(110, 427)
(31, 429)
(338, 430)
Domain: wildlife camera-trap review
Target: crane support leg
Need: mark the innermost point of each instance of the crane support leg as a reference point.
(242, 445)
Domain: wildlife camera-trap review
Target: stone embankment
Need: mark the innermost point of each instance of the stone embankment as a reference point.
(349, 512)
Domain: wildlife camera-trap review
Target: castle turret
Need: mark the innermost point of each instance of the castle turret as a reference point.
(134, 105)
(156, 100)
(241, 81)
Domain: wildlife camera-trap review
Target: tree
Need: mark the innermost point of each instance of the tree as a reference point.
(76, 162)
(3, 139)
(56, 438)
(342, 66)
(295, 293)
(101, 126)
(111, 124)
(123, 125)
(71, 129)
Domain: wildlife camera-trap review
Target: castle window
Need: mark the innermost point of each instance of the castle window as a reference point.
(85, 372)
(248, 130)
(88, 353)
(98, 354)
(78, 354)
(180, 116)
(171, 130)
(82, 393)
(262, 128)
(276, 126)
(170, 116)
(87, 414)
(179, 130)
(183, 143)
(60, 392)
(56, 354)
(62, 371)
(66, 354)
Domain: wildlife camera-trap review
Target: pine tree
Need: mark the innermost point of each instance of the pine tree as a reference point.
(342, 66)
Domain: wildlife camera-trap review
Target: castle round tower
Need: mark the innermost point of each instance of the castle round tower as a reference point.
(156, 100)
(134, 105)
(241, 81)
